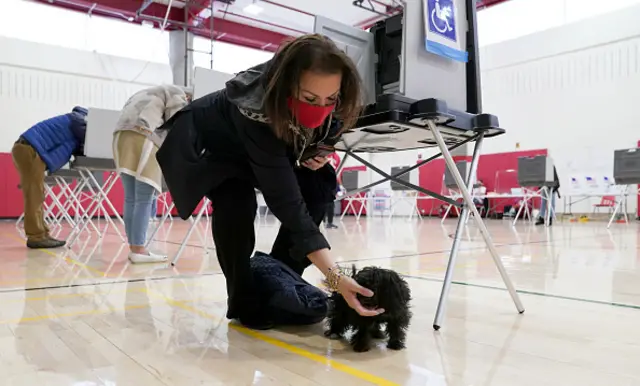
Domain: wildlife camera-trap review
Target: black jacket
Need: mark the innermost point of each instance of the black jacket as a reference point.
(211, 140)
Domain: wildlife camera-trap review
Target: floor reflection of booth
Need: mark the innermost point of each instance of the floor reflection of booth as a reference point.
(402, 113)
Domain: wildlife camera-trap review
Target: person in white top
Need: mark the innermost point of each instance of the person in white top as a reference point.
(134, 152)
(480, 196)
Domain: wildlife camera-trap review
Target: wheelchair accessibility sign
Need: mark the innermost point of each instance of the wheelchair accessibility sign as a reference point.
(441, 18)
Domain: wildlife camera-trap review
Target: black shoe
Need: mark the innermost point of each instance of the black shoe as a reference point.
(331, 226)
(540, 221)
(45, 243)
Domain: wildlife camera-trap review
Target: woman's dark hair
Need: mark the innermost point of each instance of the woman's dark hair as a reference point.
(315, 53)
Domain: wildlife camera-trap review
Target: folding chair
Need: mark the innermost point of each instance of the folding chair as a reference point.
(608, 202)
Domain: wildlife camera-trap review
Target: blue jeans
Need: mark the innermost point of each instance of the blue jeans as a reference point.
(139, 199)
(543, 202)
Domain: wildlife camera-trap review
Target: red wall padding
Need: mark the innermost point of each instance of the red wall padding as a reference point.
(10, 195)
(11, 205)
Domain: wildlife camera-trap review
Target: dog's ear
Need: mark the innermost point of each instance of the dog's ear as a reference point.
(400, 287)
(405, 291)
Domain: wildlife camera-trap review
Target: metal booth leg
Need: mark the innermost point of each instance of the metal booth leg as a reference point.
(165, 215)
(468, 206)
(623, 196)
(194, 224)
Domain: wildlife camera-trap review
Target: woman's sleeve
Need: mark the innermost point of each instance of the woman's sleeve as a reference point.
(278, 184)
(175, 101)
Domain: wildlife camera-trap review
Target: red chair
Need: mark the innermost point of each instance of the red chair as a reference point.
(605, 202)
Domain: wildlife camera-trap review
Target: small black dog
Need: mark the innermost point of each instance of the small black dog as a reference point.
(391, 292)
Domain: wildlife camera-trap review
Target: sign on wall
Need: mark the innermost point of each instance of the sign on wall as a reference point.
(443, 20)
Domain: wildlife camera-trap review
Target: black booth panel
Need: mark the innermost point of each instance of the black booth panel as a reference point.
(388, 46)
(405, 177)
(626, 166)
(350, 180)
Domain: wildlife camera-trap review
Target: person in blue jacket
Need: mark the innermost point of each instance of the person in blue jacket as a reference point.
(45, 147)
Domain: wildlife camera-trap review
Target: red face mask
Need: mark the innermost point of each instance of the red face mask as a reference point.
(308, 115)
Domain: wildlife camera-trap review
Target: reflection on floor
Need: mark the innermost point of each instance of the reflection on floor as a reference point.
(87, 317)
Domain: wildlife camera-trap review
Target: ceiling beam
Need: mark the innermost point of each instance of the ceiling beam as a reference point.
(224, 31)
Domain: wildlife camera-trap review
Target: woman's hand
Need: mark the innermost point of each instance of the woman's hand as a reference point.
(349, 289)
(315, 163)
(346, 286)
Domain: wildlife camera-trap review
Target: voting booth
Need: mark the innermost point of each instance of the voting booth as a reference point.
(97, 175)
(626, 173)
(423, 91)
(206, 81)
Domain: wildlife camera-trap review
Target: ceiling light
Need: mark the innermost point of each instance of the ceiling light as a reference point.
(253, 9)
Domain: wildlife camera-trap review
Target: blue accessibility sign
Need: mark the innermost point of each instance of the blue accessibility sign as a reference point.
(442, 18)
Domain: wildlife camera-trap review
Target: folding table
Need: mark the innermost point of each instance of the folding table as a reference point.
(396, 123)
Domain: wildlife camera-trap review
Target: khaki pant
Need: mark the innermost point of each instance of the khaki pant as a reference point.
(32, 171)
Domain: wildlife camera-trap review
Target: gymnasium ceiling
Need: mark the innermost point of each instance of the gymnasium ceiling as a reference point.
(260, 24)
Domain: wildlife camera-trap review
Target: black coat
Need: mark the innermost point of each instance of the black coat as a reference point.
(211, 141)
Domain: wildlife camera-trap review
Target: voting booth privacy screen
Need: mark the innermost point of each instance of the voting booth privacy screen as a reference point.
(405, 178)
(358, 45)
(626, 166)
(350, 180)
(464, 169)
(206, 81)
(535, 171)
(101, 124)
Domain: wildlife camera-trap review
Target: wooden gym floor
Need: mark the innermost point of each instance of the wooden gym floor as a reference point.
(87, 317)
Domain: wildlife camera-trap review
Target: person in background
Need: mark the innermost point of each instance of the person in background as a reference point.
(134, 152)
(45, 147)
(480, 196)
(253, 134)
(547, 191)
(334, 161)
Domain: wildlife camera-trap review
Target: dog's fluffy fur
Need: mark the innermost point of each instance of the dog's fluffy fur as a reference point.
(391, 292)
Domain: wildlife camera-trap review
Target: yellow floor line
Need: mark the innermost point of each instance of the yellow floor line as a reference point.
(278, 343)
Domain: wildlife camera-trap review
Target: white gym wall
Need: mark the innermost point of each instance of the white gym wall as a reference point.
(572, 89)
